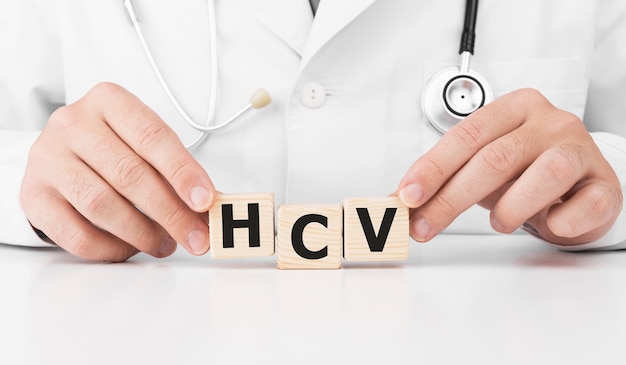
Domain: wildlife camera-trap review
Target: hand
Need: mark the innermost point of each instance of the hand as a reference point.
(107, 178)
(524, 160)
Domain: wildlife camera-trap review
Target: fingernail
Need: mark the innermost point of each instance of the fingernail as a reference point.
(200, 197)
(198, 242)
(167, 247)
(421, 229)
(411, 195)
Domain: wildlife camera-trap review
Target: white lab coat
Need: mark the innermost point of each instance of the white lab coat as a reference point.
(369, 58)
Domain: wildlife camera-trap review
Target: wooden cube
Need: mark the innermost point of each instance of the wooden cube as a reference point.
(375, 229)
(309, 236)
(242, 225)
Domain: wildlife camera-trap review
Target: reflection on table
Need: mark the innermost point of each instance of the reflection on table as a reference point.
(459, 299)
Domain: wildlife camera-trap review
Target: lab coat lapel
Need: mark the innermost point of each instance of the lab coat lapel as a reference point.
(332, 16)
(290, 19)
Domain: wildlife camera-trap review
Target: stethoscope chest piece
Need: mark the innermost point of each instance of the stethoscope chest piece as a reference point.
(456, 92)
(451, 95)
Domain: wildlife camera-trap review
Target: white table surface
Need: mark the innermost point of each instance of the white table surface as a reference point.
(457, 300)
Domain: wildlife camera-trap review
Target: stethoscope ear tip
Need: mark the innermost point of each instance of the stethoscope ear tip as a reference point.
(260, 99)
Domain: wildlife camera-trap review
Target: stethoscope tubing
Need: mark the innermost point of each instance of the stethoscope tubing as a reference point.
(203, 128)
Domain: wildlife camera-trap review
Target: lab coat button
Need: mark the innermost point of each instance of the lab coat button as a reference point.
(312, 95)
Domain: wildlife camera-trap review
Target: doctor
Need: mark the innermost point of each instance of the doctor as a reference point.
(93, 153)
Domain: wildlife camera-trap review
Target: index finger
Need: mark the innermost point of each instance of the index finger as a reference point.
(432, 170)
(152, 139)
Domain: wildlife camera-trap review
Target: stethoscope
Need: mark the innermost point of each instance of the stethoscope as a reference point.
(258, 99)
(449, 96)
(456, 92)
